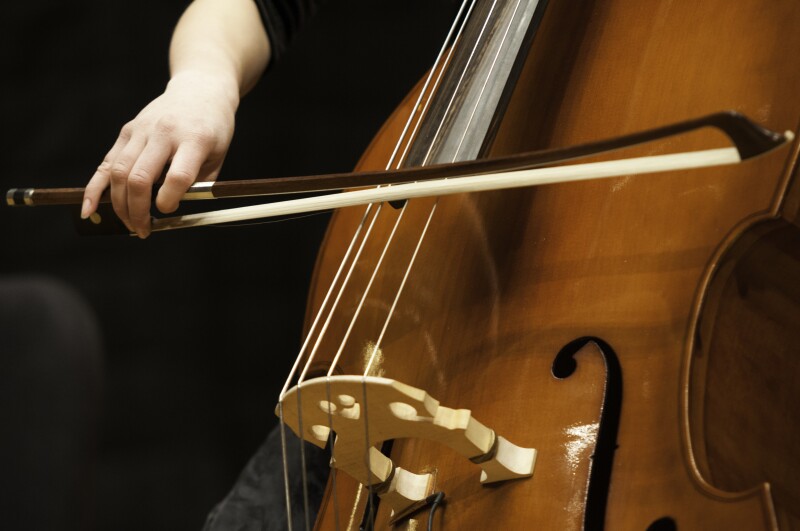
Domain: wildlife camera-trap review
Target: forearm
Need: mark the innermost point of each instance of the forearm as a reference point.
(223, 39)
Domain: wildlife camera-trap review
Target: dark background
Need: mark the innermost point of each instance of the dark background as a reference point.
(199, 327)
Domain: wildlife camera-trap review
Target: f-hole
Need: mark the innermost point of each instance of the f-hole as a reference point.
(602, 459)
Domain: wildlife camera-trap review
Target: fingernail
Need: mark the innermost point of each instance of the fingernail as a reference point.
(85, 209)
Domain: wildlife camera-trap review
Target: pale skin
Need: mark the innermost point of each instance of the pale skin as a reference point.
(218, 51)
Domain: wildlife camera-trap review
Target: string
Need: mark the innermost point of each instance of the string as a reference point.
(397, 222)
(332, 443)
(450, 48)
(399, 291)
(438, 132)
(333, 365)
(366, 291)
(367, 457)
(311, 358)
(367, 445)
(417, 111)
(375, 350)
(408, 269)
(285, 458)
(412, 261)
(304, 479)
(281, 420)
(341, 290)
(485, 82)
(458, 85)
(310, 333)
(455, 157)
(338, 296)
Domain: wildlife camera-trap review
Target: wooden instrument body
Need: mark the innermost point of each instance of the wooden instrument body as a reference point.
(504, 280)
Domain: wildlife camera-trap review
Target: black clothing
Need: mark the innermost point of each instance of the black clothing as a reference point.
(257, 502)
(282, 18)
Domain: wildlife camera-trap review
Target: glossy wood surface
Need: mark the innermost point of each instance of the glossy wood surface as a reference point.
(504, 280)
(745, 374)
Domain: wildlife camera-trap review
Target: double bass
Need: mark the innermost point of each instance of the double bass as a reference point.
(633, 338)
(639, 332)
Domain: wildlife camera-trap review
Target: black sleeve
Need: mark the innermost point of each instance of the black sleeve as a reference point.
(282, 19)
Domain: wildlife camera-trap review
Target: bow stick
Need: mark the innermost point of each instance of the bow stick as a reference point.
(516, 171)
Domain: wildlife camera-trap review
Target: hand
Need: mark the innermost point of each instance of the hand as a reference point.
(189, 126)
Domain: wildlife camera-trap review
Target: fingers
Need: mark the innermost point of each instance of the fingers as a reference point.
(189, 124)
(120, 170)
(145, 172)
(99, 182)
(183, 171)
(132, 167)
(94, 189)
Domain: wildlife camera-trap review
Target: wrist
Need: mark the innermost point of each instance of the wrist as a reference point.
(217, 85)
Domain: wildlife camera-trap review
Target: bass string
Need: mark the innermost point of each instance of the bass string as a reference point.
(443, 58)
(324, 303)
(418, 111)
(409, 267)
(366, 291)
(281, 420)
(450, 47)
(460, 82)
(391, 313)
(486, 81)
(426, 160)
(310, 334)
(445, 53)
(455, 157)
(399, 291)
(339, 295)
(376, 348)
(311, 356)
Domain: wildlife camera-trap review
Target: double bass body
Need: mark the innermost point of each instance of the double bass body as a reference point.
(687, 280)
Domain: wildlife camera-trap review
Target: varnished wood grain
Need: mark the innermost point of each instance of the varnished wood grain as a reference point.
(746, 376)
(504, 280)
